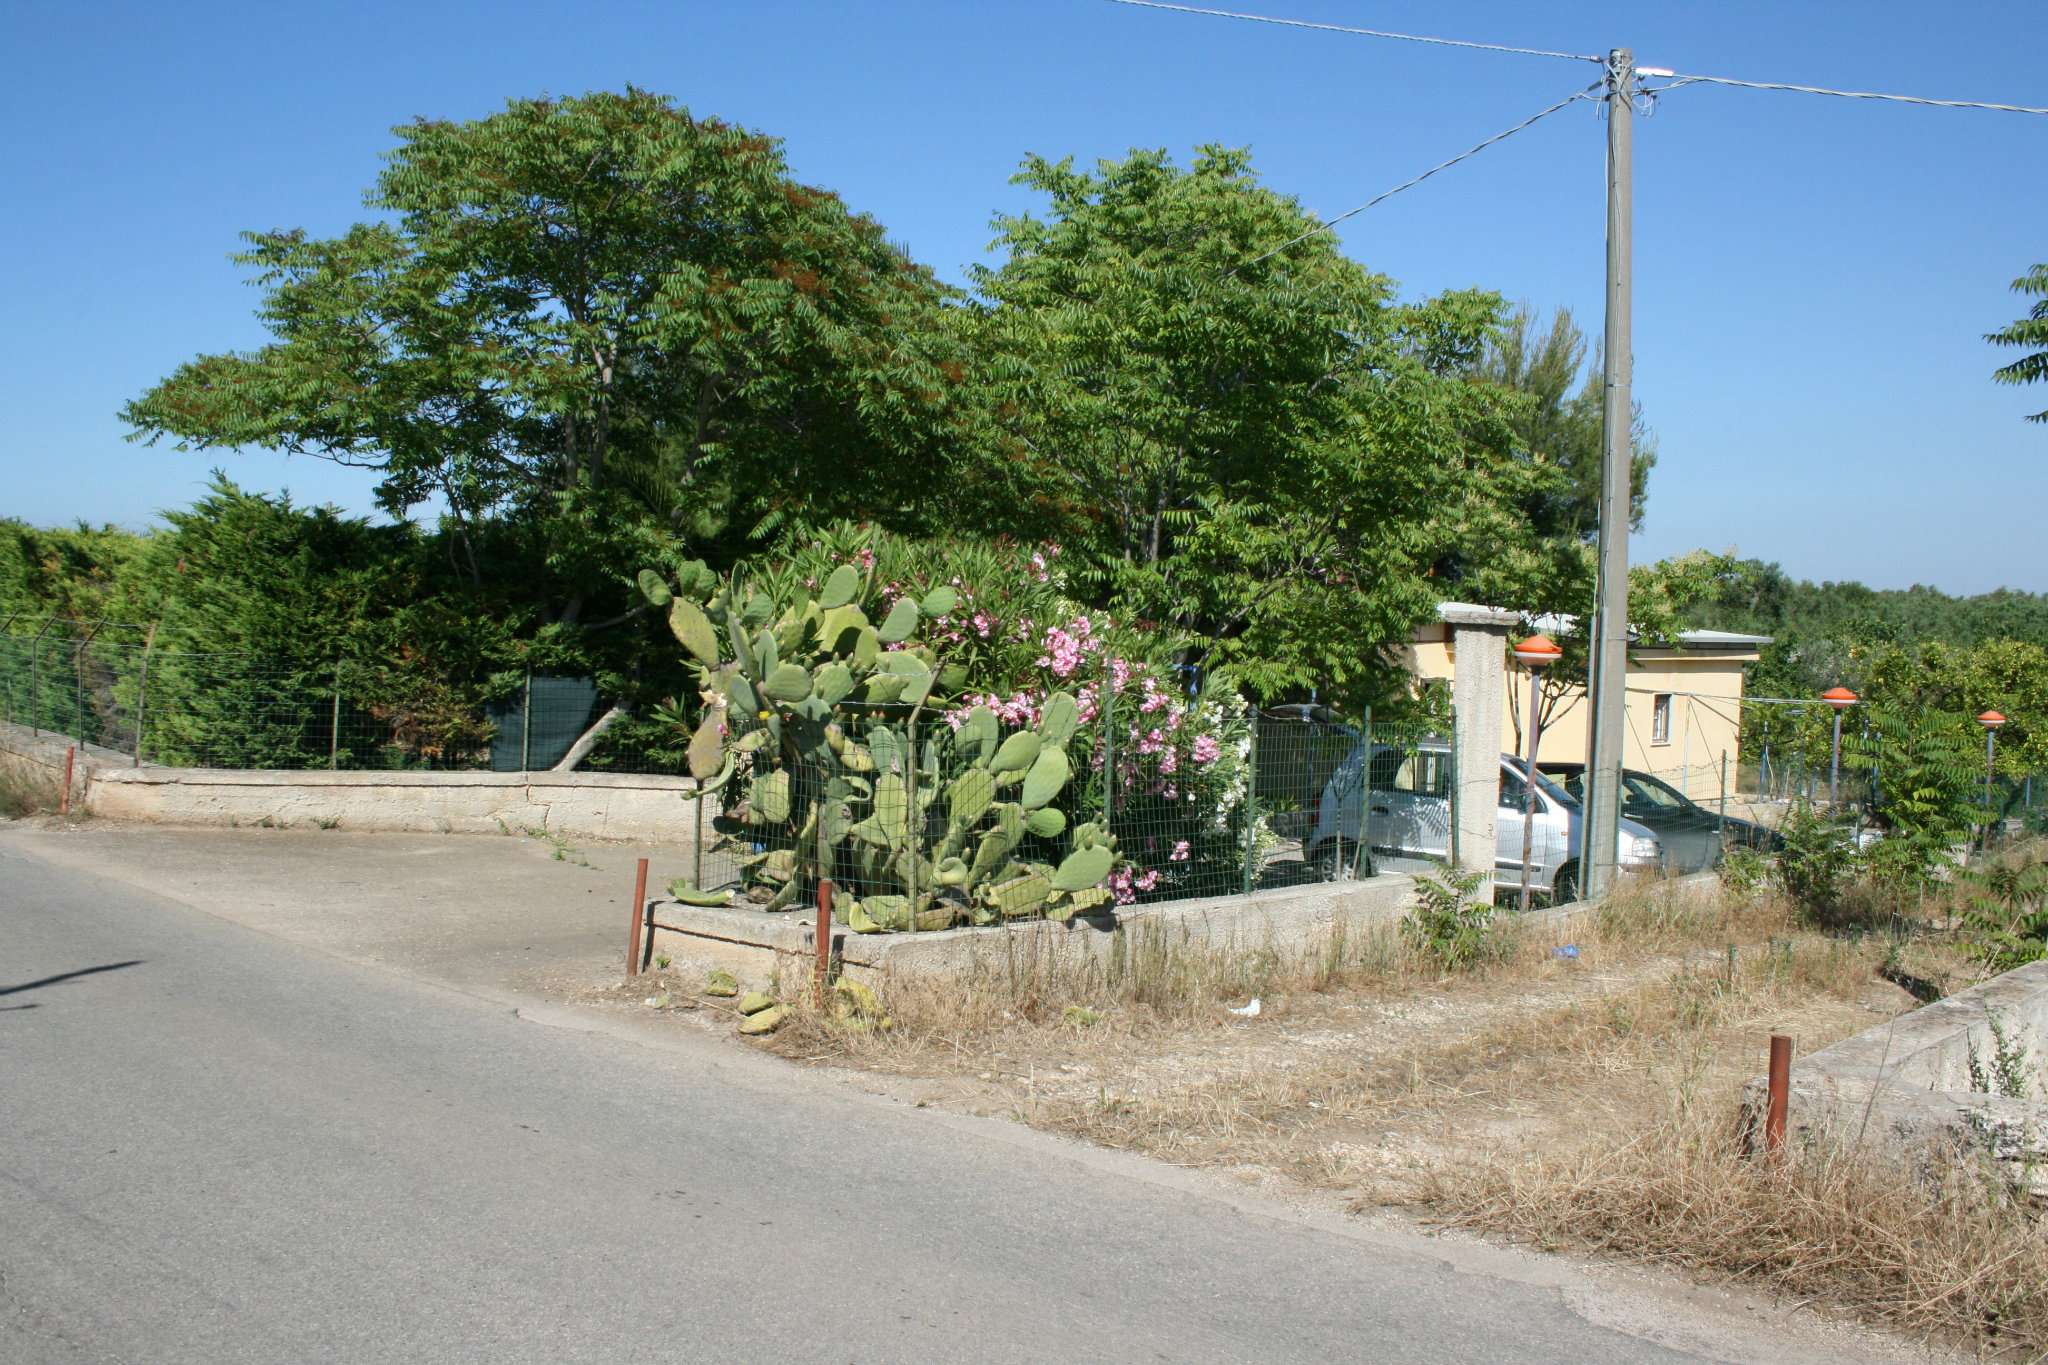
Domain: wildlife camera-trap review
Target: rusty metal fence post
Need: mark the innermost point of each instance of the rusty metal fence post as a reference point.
(634, 925)
(1780, 1093)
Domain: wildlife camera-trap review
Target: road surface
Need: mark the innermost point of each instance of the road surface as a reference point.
(221, 1145)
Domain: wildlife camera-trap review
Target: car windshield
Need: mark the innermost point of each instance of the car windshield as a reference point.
(1650, 794)
(1549, 787)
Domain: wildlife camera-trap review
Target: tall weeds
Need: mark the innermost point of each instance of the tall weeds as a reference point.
(1946, 1250)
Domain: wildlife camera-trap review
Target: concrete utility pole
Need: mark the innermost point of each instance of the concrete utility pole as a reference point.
(1602, 818)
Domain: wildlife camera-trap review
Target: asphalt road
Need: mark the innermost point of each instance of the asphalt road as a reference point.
(218, 1145)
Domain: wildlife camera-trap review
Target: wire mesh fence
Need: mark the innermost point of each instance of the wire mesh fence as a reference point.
(112, 687)
(924, 821)
(1201, 796)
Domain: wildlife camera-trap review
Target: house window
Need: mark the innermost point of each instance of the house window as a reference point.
(1660, 718)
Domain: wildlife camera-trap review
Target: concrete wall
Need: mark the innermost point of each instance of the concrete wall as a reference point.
(572, 805)
(755, 946)
(1478, 696)
(1907, 1084)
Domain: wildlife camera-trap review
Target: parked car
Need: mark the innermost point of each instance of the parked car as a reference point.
(1694, 837)
(1409, 816)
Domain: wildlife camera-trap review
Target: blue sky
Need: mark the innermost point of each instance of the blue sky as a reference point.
(1814, 276)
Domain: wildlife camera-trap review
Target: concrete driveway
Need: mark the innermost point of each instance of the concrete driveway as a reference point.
(280, 1096)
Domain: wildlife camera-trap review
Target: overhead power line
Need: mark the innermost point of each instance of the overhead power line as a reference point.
(1682, 79)
(1413, 181)
(1361, 32)
(1679, 79)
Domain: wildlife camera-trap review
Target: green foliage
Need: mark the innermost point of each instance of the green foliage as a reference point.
(1816, 864)
(2031, 330)
(1744, 873)
(1450, 929)
(1923, 769)
(921, 827)
(1561, 423)
(2005, 910)
(1269, 457)
(591, 327)
(258, 603)
(1914, 649)
(2006, 1069)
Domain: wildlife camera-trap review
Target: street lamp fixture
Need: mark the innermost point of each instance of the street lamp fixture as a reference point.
(1536, 653)
(1841, 699)
(1990, 720)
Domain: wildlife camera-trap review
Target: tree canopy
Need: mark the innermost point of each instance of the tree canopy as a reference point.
(1260, 449)
(1562, 422)
(2031, 330)
(587, 324)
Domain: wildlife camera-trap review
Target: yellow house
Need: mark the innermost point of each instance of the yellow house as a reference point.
(1683, 714)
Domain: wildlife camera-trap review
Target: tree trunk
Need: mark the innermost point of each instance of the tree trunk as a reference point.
(588, 739)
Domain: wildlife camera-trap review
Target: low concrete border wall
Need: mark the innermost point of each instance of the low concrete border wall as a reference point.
(571, 805)
(754, 945)
(1908, 1084)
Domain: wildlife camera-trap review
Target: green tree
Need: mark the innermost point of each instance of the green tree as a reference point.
(1923, 771)
(1561, 423)
(587, 326)
(2031, 330)
(1260, 450)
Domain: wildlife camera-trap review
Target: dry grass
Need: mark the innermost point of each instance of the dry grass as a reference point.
(1948, 1252)
(23, 794)
(1583, 1102)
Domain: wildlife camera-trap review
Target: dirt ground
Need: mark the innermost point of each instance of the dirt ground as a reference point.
(1357, 1087)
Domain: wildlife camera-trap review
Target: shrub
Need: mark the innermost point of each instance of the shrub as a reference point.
(1816, 863)
(2005, 910)
(1448, 928)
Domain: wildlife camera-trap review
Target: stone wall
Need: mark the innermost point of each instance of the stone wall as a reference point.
(1908, 1084)
(572, 805)
(755, 946)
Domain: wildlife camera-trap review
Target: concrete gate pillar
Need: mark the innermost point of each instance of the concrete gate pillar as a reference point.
(1479, 646)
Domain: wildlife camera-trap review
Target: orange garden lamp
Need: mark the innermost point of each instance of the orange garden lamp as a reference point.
(1990, 720)
(1536, 653)
(1841, 699)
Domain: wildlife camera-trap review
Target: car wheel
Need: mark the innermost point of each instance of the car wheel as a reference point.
(1323, 858)
(1564, 887)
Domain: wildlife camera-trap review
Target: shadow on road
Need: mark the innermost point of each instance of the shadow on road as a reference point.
(68, 976)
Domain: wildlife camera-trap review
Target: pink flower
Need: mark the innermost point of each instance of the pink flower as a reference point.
(1206, 749)
(866, 558)
(1149, 880)
(1062, 653)
(1180, 852)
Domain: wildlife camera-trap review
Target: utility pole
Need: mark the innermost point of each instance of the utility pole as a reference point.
(1609, 681)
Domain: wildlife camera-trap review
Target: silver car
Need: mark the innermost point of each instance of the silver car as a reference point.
(1410, 817)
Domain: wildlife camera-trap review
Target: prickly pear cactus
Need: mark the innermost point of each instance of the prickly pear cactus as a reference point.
(817, 728)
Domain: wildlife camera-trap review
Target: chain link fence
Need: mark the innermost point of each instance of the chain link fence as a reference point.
(910, 829)
(1204, 797)
(114, 688)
